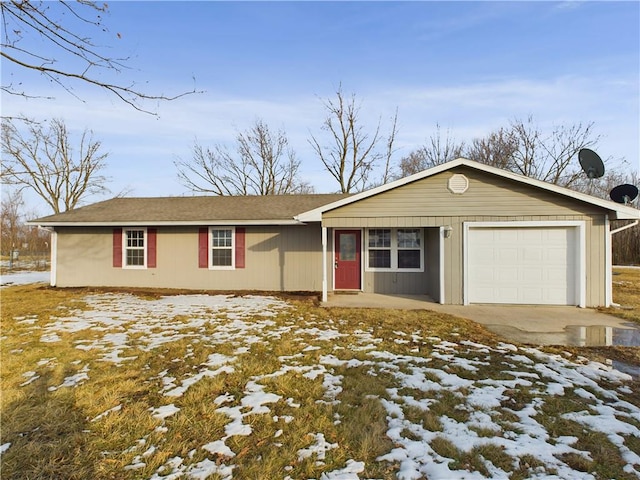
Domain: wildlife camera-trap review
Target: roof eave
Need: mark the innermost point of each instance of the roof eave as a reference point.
(616, 211)
(165, 223)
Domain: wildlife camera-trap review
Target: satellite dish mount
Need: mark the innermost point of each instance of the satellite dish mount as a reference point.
(591, 163)
(624, 193)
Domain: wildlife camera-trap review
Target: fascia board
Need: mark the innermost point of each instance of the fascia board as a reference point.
(165, 223)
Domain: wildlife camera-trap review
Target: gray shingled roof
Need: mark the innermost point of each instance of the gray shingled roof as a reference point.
(191, 210)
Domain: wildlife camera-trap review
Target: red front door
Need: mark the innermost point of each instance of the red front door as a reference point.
(347, 261)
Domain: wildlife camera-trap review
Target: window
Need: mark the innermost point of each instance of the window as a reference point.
(395, 249)
(134, 248)
(222, 248)
(379, 248)
(409, 251)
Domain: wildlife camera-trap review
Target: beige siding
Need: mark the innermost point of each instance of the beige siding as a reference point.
(487, 195)
(428, 203)
(595, 233)
(395, 283)
(284, 258)
(432, 262)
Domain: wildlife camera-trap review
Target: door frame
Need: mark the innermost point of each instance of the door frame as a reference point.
(580, 251)
(333, 257)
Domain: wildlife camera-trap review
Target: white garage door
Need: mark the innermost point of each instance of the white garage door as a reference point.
(524, 265)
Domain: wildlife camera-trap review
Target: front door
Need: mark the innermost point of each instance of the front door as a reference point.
(347, 262)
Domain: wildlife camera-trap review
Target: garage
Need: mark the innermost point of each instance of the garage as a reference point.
(526, 264)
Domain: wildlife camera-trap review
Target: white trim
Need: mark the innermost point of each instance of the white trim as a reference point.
(394, 249)
(441, 262)
(145, 241)
(210, 248)
(608, 254)
(54, 258)
(324, 264)
(581, 290)
(620, 212)
(582, 265)
(333, 257)
(624, 227)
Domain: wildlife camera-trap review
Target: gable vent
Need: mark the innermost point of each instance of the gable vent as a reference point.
(458, 183)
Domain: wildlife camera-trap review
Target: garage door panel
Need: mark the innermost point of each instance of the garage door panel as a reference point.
(531, 276)
(522, 265)
(506, 255)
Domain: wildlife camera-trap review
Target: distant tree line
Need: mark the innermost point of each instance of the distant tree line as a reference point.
(16, 236)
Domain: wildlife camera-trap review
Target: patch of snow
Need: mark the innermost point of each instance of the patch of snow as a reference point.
(24, 278)
(219, 447)
(319, 448)
(73, 380)
(163, 412)
(350, 472)
(117, 408)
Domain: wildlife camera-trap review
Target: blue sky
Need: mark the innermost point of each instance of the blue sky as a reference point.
(469, 66)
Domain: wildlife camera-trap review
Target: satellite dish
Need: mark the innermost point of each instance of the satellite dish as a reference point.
(624, 193)
(591, 163)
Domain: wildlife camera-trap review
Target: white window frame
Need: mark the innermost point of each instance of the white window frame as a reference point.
(211, 248)
(125, 247)
(394, 250)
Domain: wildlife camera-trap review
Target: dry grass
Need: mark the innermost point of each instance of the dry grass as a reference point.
(626, 293)
(102, 426)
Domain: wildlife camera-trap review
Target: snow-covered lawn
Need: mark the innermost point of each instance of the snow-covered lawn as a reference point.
(452, 408)
(24, 278)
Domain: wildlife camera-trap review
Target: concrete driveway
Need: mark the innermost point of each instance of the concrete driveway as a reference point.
(537, 325)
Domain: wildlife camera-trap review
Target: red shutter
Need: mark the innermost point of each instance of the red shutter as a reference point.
(152, 234)
(240, 248)
(117, 247)
(203, 247)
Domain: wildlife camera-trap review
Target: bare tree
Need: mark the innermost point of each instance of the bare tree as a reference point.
(436, 151)
(10, 221)
(352, 154)
(73, 56)
(497, 149)
(261, 164)
(526, 149)
(44, 161)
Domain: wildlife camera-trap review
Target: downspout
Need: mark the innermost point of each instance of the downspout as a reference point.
(608, 272)
(609, 298)
(625, 227)
(54, 253)
(324, 264)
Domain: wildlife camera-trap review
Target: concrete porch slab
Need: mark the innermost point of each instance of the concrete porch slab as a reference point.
(542, 325)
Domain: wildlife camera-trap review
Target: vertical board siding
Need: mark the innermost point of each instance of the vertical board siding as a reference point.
(117, 248)
(432, 261)
(394, 283)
